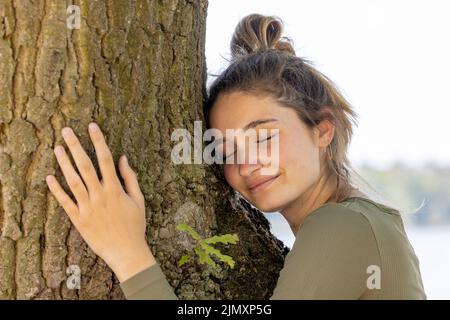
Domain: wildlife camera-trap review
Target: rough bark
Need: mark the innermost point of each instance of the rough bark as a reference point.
(137, 68)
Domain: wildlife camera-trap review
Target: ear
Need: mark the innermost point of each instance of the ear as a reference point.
(324, 133)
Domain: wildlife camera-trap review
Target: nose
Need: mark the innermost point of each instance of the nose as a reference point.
(246, 169)
(250, 161)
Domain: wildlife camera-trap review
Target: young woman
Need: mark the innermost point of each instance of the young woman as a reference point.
(347, 245)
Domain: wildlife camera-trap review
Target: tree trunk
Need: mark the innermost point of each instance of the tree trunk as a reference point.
(137, 68)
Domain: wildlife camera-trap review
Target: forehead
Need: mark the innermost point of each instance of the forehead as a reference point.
(237, 109)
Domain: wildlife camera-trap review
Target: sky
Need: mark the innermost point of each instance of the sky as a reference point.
(390, 59)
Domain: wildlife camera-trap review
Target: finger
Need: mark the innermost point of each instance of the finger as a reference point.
(73, 179)
(82, 160)
(131, 181)
(61, 196)
(104, 157)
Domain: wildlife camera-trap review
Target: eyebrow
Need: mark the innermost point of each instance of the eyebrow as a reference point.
(258, 122)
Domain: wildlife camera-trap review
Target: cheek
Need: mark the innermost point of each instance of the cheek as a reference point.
(230, 173)
(300, 161)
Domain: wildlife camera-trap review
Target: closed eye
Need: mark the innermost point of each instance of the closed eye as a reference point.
(259, 141)
(266, 139)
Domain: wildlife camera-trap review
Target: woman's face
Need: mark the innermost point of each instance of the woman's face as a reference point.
(298, 168)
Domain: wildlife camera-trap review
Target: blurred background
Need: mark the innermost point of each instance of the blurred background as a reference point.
(390, 59)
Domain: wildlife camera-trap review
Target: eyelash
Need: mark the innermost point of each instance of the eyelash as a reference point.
(268, 138)
(259, 141)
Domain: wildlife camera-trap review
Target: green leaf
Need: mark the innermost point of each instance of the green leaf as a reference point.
(204, 257)
(222, 257)
(204, 248)
(185, 258)
(188, 229)
(226, 239)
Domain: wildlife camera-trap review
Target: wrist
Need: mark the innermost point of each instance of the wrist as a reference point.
(132, 264)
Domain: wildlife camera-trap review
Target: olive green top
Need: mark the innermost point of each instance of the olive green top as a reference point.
(355, 249)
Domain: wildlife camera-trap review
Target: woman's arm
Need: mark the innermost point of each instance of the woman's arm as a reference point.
(149, 284)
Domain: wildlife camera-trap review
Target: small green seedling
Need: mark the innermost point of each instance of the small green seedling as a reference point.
(204, 249)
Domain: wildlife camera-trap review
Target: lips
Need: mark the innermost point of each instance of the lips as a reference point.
(261, 183)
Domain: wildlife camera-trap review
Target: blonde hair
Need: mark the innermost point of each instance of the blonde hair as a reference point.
(265, 64)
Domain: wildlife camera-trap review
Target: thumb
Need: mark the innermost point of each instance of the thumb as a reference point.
(131, 181)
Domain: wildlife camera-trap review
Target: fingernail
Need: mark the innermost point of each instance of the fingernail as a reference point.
(93, 127)
(66, 132)
(126, 160)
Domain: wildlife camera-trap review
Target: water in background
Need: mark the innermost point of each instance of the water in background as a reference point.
(431, 244)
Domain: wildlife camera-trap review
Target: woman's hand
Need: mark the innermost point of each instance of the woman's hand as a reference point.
(110, 220)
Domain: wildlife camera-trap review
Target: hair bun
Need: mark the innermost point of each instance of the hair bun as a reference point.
(256, 32)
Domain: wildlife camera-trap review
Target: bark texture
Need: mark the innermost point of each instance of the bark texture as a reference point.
(137, 68)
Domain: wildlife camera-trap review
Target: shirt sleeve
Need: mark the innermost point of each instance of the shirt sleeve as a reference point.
(149, 284)
(330, 257)
(329, 260)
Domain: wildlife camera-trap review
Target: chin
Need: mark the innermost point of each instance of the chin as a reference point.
(267, 202)
(267, 206)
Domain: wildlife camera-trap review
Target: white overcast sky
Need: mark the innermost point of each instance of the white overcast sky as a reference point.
(391, 59)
